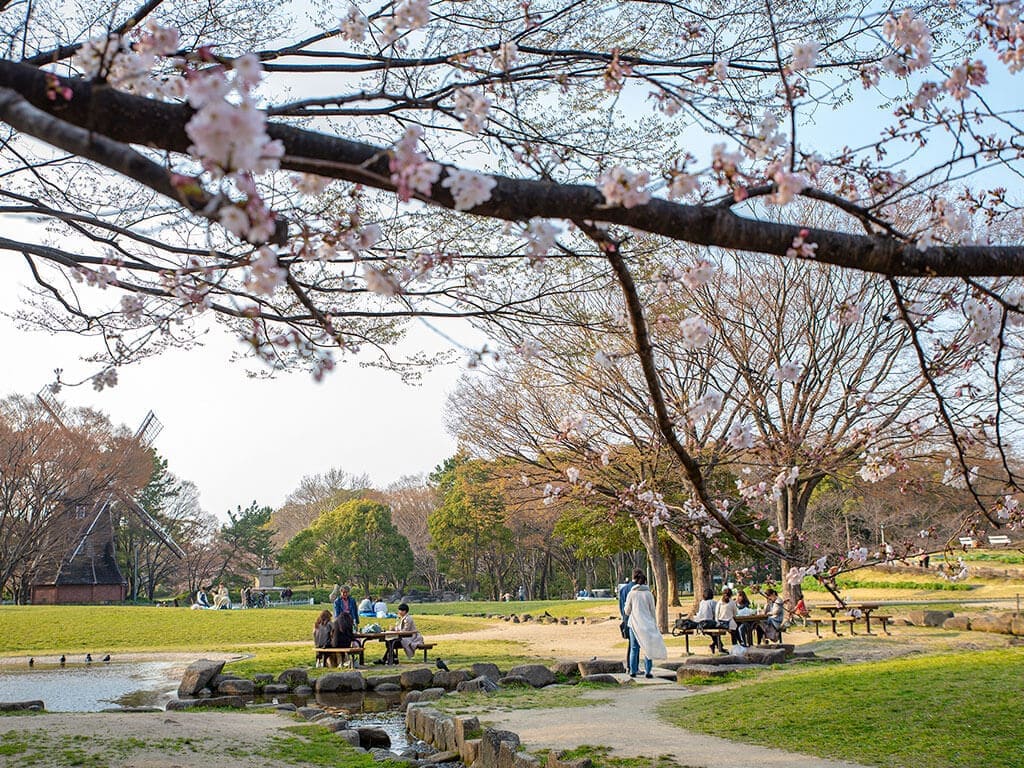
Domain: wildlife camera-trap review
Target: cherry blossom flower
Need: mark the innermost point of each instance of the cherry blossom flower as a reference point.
(740, 437)
(787, 186)
(380, 281)
(411, 172)
(705, 406)
(621, 186)
(910, 34)
(310, 183)
(682, 184)
(573, 474)
(132, 306)
(721, 69)
(540, 237)
(805, 55)
(788, 371)
(876, 467)
(473, 108)
(506, 55)
(801, 248)
(697, 275)
(354, 25)
(695, 333)
(234, 220)
(469, 189)
(265, 274)
(848, 312)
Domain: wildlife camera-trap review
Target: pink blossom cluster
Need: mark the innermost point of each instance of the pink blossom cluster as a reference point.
(645, 504)
(849, 312)
(409, 14)
(740, 437)
(1006, 32)
(411, 172)
(354, 25)
(265, 274)
(621, 186)
(789, 371)
(801, 248)
(540, 236)
(473, 107)
(129, 67)
(784, 479)
(230, 136)
(876, 467)
(380, 281)
(705, 406)
(767, 139)
(615, 73)
(505, 56)
(105, 379)
(469, 189)
(805, 55)
(695, 332)
(913, 40)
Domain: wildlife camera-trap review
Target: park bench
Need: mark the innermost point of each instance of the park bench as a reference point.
(968, 542)
(686, 633)
(339, 656)
(999, 540)
(425, 647)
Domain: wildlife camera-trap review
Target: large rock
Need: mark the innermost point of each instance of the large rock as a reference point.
(557, 760)
(999, 623)
(601, 679)
(1017, 626)
(486, 669)
(294, 677)
(491, 742)
(236, 686)
(416, 679)
(21, 706)
(536, 675)
(449, 680)
(370, 737)
(374, 683)
(961, 623)
(927, 618)
(688, 671)
(227, 702)
(601, 667)
(714, 661)
(766, 655)
(334, 682)
(197, 676)
(466, 727)
(480, 684)
(566, 668)
(349, 735)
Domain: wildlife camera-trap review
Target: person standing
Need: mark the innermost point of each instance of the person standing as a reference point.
(345, 603)
(644, 634)
(624, 591)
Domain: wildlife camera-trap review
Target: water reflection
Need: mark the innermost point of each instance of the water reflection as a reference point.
(93, 687)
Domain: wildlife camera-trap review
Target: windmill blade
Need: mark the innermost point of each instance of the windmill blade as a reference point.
(52, 406)
(147, 432)
(150, 522)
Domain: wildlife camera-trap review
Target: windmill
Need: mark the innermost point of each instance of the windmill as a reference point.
(89, 572)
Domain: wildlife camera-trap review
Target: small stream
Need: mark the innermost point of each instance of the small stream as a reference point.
(79, 687)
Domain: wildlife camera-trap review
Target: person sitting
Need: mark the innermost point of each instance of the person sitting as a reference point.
(380, 608)
(366, 606)
(322, 636)
(776, 611)
(410, 643)
(343, 634)
(202, 601)
(799, 613)
(725, 616)
(221, 600)
(745, 630)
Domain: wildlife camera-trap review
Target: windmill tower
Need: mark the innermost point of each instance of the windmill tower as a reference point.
(89, 572)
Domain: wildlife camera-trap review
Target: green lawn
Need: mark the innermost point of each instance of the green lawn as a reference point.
(935, 711)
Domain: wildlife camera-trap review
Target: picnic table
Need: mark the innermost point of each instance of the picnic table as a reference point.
(865, 610)
(385, 637)
(752, 619)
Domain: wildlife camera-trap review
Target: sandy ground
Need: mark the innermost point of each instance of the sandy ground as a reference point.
(626, 723)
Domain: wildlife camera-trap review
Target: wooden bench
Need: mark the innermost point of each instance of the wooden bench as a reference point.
(999, 540)
(968, 542)
(425, 647)
(706, 632)
(884, 621)
(339, 656)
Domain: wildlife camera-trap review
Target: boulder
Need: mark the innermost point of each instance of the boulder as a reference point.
(387, 687)
(449, 680)
(928, 618)
(374, 683)
(765, 655)
(197, 676)
(480, 684)
(263, 677)
(558, 760)
(370, 738)
(999, 623)
(466, 727)
(349, 735)
(35, 705)
(1017, 625)
(602, 678)
(333, 724)
(566, 668)
(237, 687)
(444, 733)
(431, 694)
(491, 742)
(536, 674)
(486, 669)
(303, 690)
(526, 760)
(962, 623)
(600, 667)
(285, 706)
(688, 671)
(334, 682)
(448, 756)
(274, 689)
(309, 712)
(416, 679)
(714, 661)
(227, 702)
(294, 677)
(511, 681)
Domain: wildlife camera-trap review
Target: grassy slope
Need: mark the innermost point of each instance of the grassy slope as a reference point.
(935, 711)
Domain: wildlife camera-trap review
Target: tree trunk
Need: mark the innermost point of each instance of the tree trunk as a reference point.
(649, 537)
(671, 554)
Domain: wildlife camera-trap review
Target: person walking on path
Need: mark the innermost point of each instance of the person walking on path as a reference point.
(624, 591)
(644, 634)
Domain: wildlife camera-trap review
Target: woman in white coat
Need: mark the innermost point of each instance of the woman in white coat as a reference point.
(643, 626)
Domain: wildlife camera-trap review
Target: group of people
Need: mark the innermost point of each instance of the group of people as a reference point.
(640, 625)
(220, 599)
(339, 629)
(722, 614)
(375, 608)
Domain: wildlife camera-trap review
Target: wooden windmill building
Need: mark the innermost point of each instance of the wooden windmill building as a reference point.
(88, 571)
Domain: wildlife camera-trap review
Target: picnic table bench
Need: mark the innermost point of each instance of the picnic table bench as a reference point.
(340, 656)
(999, 540)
